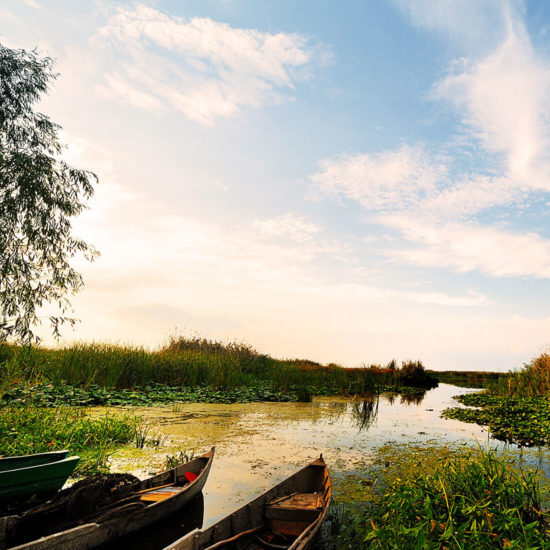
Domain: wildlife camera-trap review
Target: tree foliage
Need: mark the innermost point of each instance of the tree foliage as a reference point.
(39, 195)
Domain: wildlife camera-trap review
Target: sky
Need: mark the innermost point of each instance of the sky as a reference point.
(347, 182)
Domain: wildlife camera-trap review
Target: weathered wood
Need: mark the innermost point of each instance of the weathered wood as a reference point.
(270, 544)
(155, 488)
(130, 514)
(273, 502)
(312, 480)
(290, 528)
(234, 538)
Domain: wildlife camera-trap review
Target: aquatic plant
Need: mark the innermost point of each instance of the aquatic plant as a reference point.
(523, 421)
(473, 499)
(467, 379)
(29, 429)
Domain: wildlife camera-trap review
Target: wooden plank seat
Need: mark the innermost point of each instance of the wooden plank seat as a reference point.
(161, 493)
(292, 514)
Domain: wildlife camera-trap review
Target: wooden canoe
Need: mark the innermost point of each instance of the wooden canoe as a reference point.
(287, 516)
(154, 499)
(43, 473)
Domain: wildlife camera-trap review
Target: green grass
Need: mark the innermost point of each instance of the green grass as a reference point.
(530, 381)
(194, 362)
(30, 429)
(516, 406)
(440, 498)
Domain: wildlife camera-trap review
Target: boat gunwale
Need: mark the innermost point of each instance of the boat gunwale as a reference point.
(93, 526)
(73, 458)
(305, 538)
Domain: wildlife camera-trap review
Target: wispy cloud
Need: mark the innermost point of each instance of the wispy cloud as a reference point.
(203, 68)
(437, 201)
(390, 180)
(291, 226)
(467, 247)
(503, 100)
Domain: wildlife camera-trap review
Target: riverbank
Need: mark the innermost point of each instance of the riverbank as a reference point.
(191, 363)
(259, 445)
(441, 497)
(516, 407)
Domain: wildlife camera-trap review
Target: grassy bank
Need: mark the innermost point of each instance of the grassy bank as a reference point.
(467, 379)
(191, 363)
(530, 381)
(29, 429)
(426, 498)
(516, 407)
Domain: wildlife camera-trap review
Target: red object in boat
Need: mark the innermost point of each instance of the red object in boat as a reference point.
(190, 476)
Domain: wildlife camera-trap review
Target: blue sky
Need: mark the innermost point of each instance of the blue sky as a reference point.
(343, 181)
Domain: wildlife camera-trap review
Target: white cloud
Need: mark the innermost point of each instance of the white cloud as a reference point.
(468, 247)
(295, 227)
(390, 180)
(470, 299)
(200, 67)
(471, 23)
(504, 101)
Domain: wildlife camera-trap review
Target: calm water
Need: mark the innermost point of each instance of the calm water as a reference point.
(258, 444)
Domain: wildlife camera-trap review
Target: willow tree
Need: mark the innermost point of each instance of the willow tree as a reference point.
(40, 194)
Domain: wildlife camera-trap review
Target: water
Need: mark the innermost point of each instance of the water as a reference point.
(259, 444)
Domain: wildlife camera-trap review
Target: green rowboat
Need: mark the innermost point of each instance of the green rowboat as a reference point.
(23, 476)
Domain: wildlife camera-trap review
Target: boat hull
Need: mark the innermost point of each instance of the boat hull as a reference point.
(21, 477)
(312, 478)
(128, 518)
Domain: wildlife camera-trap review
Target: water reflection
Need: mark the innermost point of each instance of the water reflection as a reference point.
(413, 398)
(365, 412)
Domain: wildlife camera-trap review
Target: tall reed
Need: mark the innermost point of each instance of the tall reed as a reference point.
(531, 381)
(194, 362)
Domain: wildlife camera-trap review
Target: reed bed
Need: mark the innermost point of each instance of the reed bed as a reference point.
(530, 381)
(195, 362)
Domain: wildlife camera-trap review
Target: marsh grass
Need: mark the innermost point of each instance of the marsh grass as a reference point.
(456, 500)
(530, 381)
(196, 362)
(467, 379)
(30, 429)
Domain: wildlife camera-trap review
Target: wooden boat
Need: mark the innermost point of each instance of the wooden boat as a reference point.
(152, 500)
(43, 473)
(288, 516)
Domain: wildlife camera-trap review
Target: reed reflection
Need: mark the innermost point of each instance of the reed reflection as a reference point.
(412, 398)
(365, 412)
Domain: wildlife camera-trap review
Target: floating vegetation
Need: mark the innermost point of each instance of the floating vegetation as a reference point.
(47, 394)
(524, 421)
(52, 395)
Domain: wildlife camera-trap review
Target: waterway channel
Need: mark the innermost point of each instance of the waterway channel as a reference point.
(259, 444)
